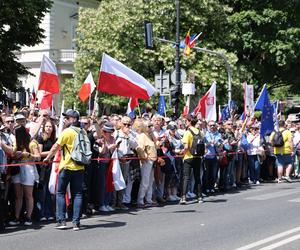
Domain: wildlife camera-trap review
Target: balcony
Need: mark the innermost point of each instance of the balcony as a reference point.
(57, 55)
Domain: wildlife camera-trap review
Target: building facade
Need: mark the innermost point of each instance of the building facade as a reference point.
(59, 44)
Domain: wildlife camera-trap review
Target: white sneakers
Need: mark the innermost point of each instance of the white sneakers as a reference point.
(106, 209)
(191, 195)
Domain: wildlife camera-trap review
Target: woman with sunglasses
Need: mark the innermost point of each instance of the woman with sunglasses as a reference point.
(255, 146)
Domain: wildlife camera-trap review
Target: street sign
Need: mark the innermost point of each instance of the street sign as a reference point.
(182, 75)
(165, 83)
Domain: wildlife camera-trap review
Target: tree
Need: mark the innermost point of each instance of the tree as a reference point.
(19, 26)
(265, 37)
(116, 28)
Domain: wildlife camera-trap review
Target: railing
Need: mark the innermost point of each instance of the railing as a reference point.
(57, 55)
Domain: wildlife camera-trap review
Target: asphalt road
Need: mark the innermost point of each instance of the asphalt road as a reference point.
(260, 217)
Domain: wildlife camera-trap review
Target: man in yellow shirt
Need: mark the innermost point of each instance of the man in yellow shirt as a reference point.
(283, 154)
(69, 172)
(191, 162)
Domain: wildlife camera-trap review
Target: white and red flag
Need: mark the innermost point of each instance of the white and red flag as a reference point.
(48, 80)
(33, 95)
(87, 88)
(116, 78)
(47, 100)
(114, 178)
(207, 105)
(133, 102)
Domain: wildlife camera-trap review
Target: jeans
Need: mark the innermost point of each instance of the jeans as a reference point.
(211, 171)
(188, 165)
(104, 197)
(75, 179)
(147, 178)
(254, 168)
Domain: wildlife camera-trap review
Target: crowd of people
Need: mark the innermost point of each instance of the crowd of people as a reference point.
(156, 161)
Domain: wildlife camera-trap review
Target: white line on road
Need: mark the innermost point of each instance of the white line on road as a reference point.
(271, 238)
(273, 195)
(295, 200)
(281, 243)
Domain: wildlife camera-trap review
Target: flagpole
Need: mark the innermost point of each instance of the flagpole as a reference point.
(89, 105)
(95, 104)
(52, 108)
(139, 110)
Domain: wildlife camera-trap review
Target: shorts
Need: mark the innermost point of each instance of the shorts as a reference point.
(283, 160)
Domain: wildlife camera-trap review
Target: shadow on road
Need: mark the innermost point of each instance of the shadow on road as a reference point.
(216, 201)
(106, 224)
(185, 211)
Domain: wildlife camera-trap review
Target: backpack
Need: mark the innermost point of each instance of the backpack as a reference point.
(277, 140)
(81, 153)
(198, 145)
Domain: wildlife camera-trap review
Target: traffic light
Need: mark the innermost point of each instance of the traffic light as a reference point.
(148, 35)
(174, 95)
(174, 92)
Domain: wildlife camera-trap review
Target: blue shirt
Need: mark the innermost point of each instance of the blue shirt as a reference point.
(212, 139)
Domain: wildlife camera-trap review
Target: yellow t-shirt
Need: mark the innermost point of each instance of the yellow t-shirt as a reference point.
(285, 149)
(66, 141)
(32, 145)
(188, 139)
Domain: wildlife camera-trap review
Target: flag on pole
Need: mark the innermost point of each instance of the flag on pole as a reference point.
(248, 99)
(187, 49)
(207, 104)
(33, 95)
(116, 78)
(133, 102)
(263, 104)
(161, 106)
(48, 80)
(46, 102)
(87, 88)
(54, 169)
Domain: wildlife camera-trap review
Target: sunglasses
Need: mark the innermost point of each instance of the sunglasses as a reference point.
(150, 126)
(127, 124)
(10, 121)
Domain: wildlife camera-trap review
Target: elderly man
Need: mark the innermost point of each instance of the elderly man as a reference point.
(213, 142)
(127, 145)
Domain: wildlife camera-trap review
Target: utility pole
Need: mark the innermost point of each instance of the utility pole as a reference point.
(177, 57)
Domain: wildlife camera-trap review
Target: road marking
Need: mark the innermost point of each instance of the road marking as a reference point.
(295, 200)
(281, 243)
(271, 238)
(273, 195)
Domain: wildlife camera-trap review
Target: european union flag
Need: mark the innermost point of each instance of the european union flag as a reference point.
(161, 106)
(263, 104)
(225, 114)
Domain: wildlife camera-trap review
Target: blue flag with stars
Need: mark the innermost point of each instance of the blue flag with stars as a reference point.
(263, 104)
(161, 106)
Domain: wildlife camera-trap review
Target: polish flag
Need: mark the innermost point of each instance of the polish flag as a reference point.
(87, 88)
(133, 102)
(33, 96)
(114, 178)
(46, 101)
(207, 105)
(116, 78)
(48, 76)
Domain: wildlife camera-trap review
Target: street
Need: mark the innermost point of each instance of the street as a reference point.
(258, 217)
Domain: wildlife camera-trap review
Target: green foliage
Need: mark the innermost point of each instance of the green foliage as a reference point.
(265, 37)
(116, 28)
(19, 26)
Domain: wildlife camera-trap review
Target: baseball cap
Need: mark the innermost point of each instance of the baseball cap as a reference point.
(19, 116)
(71, 113)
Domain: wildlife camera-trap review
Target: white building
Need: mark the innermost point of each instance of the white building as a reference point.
(59, 43)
